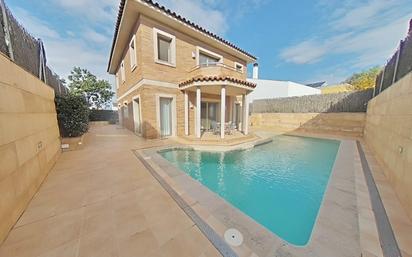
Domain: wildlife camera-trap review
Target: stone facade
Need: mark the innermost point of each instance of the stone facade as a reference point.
(29, 139)
(346, 124)
(150, 79)
(388, 132)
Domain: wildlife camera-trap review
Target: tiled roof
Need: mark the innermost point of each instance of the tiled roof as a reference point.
(217, 79)
(178, 17)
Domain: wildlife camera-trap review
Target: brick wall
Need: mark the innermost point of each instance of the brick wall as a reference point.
(29, 139)
(388, 131)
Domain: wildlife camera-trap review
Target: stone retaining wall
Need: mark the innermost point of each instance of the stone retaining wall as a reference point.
(346, 124)
(29, 139)
(388, 131)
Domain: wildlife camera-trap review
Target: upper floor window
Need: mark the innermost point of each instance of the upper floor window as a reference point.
(239, 67)
(164, 47)
(122, 73)
(207, 58)
(132, 52)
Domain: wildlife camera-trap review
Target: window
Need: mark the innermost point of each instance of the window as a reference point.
(122, 74)
(239, 67)
(132, 52)
(207, 60)
(165, 48)
(205, 57)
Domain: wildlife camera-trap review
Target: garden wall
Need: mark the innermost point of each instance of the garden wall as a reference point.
(104, 115)
(388, 132)
(330, 103)
(345, 124)
(29, 139)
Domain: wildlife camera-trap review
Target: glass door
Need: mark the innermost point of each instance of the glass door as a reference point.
(212, 114)
(165, 116)
(208, 115)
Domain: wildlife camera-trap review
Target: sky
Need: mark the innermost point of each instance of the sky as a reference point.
(298, 40)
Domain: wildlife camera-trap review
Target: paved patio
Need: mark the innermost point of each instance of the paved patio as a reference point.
(101, 201)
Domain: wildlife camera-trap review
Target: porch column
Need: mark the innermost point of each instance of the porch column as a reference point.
(246, 129)
(222, 111)
(198, 108)
(245, 114)
(186, 114)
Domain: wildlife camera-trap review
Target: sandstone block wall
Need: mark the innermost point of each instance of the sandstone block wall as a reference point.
(346, 124)
(388, 132)
(29, 139)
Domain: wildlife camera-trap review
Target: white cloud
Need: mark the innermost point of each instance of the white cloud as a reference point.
(200, 12)
(96, 11)
(308, 51)
(361, 15)
(95, 36)
(369, 31)
(66, 50)
(34, 25)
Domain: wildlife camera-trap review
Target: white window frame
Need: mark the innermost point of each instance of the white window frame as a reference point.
(207, 52)
(140, 112)
(133, 53)
(157, 32)
(174, 114)
(241, 65)
(122, 71)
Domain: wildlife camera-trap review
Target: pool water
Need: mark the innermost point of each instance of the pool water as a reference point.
(279, 184)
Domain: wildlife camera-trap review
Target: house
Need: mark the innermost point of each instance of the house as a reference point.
(277, 88)
(175, 78)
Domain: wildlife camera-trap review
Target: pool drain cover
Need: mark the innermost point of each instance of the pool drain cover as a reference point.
(233, 237)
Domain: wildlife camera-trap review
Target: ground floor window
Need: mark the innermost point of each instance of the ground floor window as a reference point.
(166, 116)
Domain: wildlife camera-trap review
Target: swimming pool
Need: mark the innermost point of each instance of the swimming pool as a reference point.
(279, 184)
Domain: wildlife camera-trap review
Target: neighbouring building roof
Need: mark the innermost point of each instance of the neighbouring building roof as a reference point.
(317, 84)
(176, 16)
(218, 79)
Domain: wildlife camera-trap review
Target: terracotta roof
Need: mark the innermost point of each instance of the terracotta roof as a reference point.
(178, 17)
(221, 79)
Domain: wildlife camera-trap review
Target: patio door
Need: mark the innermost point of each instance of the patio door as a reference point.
(136, 116)
(208, 115)
(165, 116)
(237, 115)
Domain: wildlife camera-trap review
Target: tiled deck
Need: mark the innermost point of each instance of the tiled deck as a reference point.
(100, 201)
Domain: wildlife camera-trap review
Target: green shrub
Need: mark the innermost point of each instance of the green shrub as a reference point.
(72, 115)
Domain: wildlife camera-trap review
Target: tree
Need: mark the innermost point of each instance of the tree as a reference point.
(365, 79)
(97, 91)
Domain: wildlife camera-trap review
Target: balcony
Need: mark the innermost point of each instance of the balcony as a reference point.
(216, 69)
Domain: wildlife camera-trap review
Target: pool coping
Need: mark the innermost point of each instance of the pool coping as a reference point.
(335, 232)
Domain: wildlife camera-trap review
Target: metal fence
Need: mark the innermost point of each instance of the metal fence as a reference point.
(398, 65)
(25, 50)
(103, 115)
(341, 102)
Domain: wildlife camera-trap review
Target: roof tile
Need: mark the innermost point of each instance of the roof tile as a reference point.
(220, 79)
